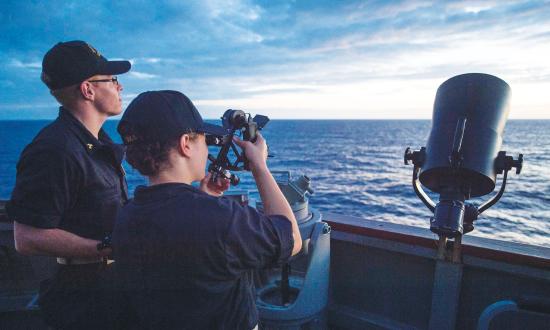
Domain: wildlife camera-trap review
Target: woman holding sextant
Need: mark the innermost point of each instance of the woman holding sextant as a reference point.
(184, 255)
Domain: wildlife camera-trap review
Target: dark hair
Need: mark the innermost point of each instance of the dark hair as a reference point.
(66, 96)
(149, 158)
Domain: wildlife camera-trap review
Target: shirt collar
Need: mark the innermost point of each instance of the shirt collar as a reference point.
(89, 142)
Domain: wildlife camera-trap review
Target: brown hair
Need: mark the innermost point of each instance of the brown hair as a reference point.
(148, 157)
(66, 96)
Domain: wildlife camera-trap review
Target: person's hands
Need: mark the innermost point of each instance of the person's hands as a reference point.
(256, 152)
(214, 188)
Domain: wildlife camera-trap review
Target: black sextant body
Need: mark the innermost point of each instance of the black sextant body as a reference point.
(237, 123)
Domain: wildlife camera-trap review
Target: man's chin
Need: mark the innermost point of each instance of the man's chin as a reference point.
(114, 113)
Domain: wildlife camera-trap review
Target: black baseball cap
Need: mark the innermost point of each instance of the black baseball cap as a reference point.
(162, 115)
(72, 62)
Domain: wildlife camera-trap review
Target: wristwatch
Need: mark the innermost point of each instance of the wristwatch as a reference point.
(105, 243)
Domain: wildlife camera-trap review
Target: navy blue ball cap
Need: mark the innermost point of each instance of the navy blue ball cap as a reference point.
(157, 116)
(72, 62)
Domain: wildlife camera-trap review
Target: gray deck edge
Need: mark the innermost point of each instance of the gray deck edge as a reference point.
(468, 240)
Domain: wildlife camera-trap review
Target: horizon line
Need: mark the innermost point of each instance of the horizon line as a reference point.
(275, 119)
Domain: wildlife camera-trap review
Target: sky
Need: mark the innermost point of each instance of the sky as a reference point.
(286, 59)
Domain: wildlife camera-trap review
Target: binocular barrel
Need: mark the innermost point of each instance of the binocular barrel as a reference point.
(463, 157)
(470, 112)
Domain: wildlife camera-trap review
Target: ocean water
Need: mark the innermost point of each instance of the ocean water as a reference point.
(356, 168)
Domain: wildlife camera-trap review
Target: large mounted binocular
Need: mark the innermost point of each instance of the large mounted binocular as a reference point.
(463, 157)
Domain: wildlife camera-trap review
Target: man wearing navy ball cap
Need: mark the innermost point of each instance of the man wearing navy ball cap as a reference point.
(70, 185)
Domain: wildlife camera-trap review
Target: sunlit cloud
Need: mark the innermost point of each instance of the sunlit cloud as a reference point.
(142, 75)
(274, 88)
(297, 59)
(151, 60)
(232, 10)
(25, 65)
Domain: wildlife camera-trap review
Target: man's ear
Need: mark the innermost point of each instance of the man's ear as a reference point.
(184, 147)
(87, 90)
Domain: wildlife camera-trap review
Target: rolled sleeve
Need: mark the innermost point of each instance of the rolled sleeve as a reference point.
(45, 187)
(254, 240)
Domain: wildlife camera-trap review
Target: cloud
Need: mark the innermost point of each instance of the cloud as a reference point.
(151, 60)
(306, 55)
(142, 75)
(232, 20)
(25, 65)
(277, 88)
(127, 98)
(233, 10)
(129, 95)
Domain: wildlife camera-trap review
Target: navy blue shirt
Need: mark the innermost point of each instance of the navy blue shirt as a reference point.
(68, 179)
(185, 258)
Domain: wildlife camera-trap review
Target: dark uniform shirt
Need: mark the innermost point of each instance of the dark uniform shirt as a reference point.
(68, 179)
(185, 258)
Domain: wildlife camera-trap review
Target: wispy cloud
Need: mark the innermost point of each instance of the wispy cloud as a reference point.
(293, 57)
(16, 63)
(150, 59)
(142, 75)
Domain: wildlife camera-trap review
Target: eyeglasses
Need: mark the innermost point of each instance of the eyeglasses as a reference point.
(114, 80)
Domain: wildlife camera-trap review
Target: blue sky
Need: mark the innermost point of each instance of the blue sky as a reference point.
(286, 59)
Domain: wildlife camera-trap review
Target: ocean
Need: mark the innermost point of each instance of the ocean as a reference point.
(356, 168)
